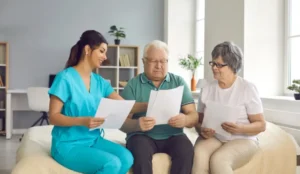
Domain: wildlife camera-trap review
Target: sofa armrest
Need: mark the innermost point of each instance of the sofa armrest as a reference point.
(40, 164)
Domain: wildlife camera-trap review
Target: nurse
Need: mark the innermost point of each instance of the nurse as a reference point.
(74, 98)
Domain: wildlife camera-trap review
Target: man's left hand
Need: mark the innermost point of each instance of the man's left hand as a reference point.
(178, 121)
(232, 128)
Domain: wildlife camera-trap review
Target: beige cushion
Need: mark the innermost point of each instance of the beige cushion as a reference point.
(277, 153)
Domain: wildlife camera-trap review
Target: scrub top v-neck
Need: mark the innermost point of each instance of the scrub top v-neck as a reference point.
(69, 87)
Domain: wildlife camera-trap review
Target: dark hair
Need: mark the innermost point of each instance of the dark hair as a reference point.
(90, 37)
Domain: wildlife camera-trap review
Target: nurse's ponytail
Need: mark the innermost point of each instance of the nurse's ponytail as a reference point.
(90, 37)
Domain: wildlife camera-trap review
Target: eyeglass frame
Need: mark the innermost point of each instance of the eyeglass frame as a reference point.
(218, 65)
(156, 61)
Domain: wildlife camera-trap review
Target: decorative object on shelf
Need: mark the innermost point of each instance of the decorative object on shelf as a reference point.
(191, 63)
(118, 33)
(123, 83)
(295, 87)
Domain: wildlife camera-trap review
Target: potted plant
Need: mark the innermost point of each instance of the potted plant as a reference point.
(118, 33)
(191, 63)
(295, 87)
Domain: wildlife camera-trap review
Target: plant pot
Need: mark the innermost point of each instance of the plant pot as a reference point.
(297, 96)
(117, 41)
(193, 84)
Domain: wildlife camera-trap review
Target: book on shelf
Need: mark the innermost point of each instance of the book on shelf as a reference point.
(1, 82)
(124, 60)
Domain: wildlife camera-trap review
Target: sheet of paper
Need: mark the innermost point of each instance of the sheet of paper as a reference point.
(164, 104)
(215, 114)
(115, 112)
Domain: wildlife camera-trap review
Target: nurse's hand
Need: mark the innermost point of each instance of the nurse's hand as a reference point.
(146, 123)
(92, 122)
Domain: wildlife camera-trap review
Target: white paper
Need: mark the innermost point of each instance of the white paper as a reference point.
(115, 112)
(164, 104)
(215, 114)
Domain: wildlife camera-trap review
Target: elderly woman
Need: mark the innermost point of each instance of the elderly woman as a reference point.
(216, 152)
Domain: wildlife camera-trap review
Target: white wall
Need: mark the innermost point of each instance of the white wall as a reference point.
(258, 28)
(180, 19)
(41, 33)
(264, 45)
(224, 21)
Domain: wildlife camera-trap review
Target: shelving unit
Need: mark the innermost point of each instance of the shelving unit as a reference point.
(4, 57)
(122, 64)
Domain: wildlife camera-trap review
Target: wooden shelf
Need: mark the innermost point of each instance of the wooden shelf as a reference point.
(122, 64)
(128, 67)
(4, 70)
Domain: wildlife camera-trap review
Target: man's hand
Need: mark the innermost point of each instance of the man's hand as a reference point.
(207, 133)
(232, 128)
(146, 123)
(178, 121)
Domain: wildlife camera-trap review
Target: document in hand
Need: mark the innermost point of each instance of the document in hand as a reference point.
(215, 114)
(164, 104)
(115, 112)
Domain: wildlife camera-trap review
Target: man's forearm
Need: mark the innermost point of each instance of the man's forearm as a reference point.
(192, 119)
(139, 107)
(130, 125)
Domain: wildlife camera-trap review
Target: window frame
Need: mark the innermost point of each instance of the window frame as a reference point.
(287, 49)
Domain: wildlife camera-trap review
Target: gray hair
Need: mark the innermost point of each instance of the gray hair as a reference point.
(231, 54)
(156, 44)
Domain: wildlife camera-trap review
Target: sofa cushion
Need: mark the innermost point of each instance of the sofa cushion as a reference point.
(277, 153)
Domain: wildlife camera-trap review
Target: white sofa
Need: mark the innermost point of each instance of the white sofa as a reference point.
(277, 154)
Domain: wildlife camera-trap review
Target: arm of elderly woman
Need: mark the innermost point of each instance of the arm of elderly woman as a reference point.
(257, 125)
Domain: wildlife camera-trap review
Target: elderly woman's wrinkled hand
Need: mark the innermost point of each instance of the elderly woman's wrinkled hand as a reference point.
(232, 128)
(178, 121)
(207, 133)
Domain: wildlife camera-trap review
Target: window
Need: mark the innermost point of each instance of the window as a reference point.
(293, 39)
(200, 13)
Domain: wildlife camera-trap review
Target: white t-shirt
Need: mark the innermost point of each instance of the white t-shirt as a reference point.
(242, 94)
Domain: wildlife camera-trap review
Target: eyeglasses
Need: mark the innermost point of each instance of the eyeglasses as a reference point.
(163, 61)
(212, 64)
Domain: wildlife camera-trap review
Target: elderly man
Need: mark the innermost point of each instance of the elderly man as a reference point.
(144, 138)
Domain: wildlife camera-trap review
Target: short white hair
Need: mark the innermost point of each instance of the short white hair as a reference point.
(156, 44)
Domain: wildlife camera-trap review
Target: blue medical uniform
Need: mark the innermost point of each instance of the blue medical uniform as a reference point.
(76, 147)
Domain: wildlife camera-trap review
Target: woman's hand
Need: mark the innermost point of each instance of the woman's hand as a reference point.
(92, 122)
(207, 133)
(232, 128)
(146, 123)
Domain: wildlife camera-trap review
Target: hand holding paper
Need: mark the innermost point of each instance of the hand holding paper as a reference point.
(178, 121)
(232, 128)
(164, 104)
(216, 114)
(115, 112)
(146, 123)
(92, 122)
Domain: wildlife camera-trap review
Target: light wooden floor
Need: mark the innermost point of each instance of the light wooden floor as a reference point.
(8, 150)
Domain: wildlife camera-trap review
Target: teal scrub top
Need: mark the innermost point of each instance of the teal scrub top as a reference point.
(69, 87)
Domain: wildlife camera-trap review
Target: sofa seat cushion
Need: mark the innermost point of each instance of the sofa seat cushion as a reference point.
(277, 153)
